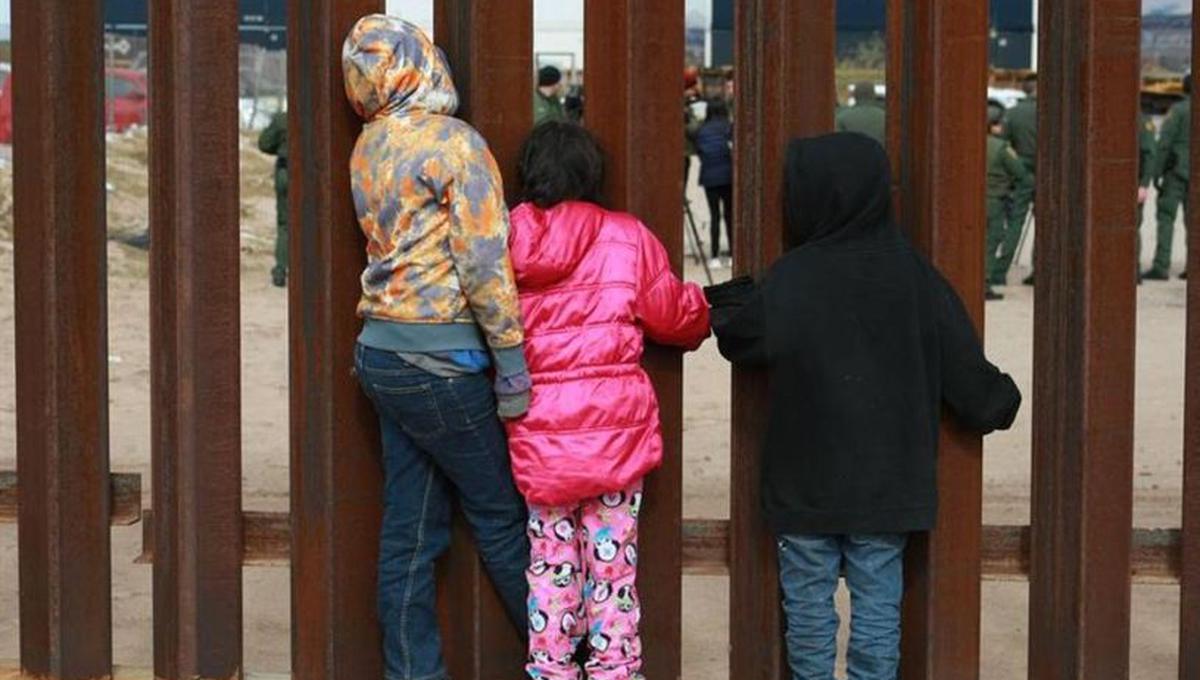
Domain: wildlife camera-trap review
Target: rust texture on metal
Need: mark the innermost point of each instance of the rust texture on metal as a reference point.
(1084, 329)
(1156, 558)
(195, 335)
(124, 493)
(939, 156)
(489, 44)
(636, 48)
(1189, 595)
(266, 539)
(61, 339)
(335, 472)
(785, 89)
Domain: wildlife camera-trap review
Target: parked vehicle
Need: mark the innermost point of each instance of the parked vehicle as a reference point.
(126, 98)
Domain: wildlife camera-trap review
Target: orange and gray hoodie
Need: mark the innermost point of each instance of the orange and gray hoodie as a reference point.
(430, 202)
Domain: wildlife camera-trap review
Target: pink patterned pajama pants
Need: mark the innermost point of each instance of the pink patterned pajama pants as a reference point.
(582, 588)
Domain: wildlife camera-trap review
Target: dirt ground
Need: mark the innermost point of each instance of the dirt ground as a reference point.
(706, 444)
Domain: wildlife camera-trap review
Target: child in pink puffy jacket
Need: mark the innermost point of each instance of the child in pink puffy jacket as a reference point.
(592, 284)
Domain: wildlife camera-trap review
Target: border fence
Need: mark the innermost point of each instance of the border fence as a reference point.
(1080, 553)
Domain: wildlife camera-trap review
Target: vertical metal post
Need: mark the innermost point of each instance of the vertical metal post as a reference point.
(61, 339)
(785, 88)
(336, 476)
(1085, 322)
(1189, 596)
(634, 60)
(489, 44)
(195, 362)
(938, 107)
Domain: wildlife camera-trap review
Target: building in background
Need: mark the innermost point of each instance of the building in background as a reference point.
(862, 30)
(263, 22)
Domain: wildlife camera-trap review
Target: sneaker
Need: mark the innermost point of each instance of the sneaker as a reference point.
(1183, 276)
(715, 263)
(991, 295)
(279, 279)
(1027, 281)
(1155, 275)
(140, 241)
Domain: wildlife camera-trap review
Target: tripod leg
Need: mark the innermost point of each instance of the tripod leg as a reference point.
(697, 244)
(1024, 234)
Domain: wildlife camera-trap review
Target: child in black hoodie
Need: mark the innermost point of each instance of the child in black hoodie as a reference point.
(863, 342)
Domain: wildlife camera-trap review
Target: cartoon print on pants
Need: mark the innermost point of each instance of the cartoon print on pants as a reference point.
(582, 589)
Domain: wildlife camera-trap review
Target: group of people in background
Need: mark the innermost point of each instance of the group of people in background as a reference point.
(501, 350)
(1163, 162)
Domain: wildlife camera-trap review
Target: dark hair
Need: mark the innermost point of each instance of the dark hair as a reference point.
(560, 161)
(716, 109)
(1029, 83)
(549, 75)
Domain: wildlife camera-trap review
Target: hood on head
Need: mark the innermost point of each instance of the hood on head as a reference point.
(836, 188)
(547, 245)
(392, 68)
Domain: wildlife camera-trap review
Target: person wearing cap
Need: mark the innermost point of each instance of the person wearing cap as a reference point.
(1006, 176)
(1021, 132)
(1173, 177)
(867, 116)
(547, 98)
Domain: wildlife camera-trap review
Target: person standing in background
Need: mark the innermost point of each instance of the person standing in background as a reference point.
(1173, 175)
(1147, 151)
(547, 99)
(867, 116)
(1020, 129)
(691, 122)
(714, 144)
(273, 141)
(1006, 176)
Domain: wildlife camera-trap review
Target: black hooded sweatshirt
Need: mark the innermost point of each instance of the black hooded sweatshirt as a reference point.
(863, 342)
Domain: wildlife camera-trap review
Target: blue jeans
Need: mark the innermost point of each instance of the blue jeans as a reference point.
(809, 566)
(441, 439)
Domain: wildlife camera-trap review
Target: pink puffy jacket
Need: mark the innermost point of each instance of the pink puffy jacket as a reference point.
(591, 283)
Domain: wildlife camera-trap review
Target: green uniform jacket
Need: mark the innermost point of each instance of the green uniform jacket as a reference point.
(868, 119)
(1174, 142)
(1020, 129)
(1147, 151)
(547, 108)
(273, 140)
(1005, 171)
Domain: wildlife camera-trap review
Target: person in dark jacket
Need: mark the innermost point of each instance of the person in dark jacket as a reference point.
(547, 98)
(273, 141)
(863, 343)
(714, 145)
(1172, 172)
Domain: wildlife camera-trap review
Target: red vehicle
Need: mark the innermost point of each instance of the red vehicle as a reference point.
(125, 101)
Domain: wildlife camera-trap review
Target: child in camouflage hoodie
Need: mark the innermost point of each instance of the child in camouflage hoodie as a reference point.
(440, 310)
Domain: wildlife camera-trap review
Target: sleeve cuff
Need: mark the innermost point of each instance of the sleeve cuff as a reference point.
(511, 406)
(510, 361)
